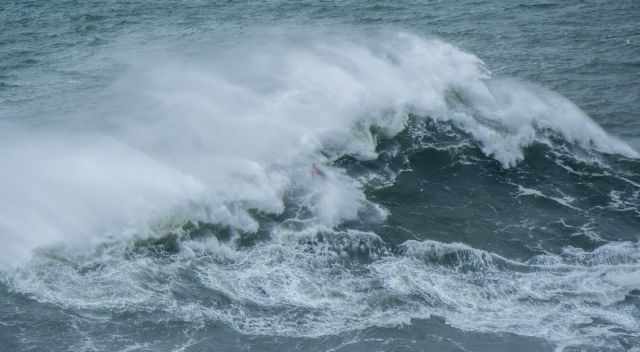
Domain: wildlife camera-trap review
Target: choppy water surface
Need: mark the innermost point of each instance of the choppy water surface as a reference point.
(319, 176)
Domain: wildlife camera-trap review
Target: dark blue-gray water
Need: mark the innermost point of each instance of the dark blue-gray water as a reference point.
(319, 176)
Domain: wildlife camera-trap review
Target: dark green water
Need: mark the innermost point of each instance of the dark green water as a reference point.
(319, 176)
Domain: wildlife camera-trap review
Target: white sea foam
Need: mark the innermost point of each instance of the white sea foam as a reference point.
(287, 287)
(564, 201)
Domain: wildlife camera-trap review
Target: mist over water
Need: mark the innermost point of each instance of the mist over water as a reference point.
(320, 189)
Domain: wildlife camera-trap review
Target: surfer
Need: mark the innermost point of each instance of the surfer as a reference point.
(316, 171)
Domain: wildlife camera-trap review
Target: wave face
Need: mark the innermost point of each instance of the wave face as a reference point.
(323, 191)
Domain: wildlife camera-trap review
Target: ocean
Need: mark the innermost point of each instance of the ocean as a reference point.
(319, 175)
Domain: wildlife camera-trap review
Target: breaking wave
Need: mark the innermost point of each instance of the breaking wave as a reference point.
(231, 168)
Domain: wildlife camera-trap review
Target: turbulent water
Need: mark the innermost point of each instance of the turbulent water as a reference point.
(319, 176)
